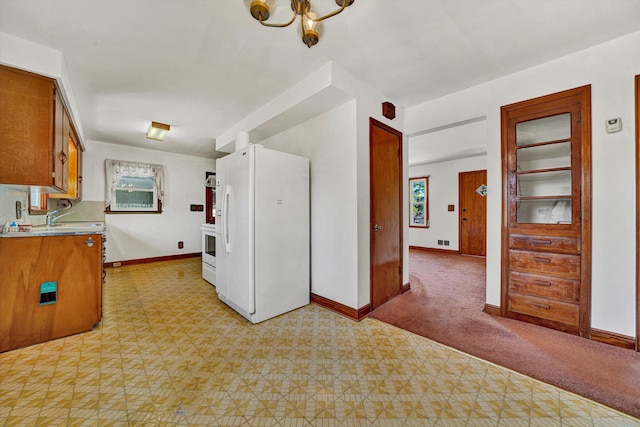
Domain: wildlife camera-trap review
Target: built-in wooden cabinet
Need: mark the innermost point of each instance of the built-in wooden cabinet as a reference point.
(34, 132)
(74, 162)
(51, 287)
(546, 237)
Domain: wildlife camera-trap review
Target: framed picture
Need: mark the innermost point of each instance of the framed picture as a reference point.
(419, 202)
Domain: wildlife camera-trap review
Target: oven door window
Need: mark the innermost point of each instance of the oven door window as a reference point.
(210, 244)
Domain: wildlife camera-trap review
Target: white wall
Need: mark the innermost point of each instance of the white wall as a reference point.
(135, 236)
(610, 69)
(39, 59)
(337, 142)
(328, 141)
(443, 191)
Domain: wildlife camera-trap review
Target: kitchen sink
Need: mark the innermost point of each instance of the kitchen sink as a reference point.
(69, 227)
(77, 224)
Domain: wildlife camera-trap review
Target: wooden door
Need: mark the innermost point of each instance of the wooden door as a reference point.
(473, 212)
(385, 145)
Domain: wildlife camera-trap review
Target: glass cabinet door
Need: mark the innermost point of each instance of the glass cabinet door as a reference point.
(543, 170)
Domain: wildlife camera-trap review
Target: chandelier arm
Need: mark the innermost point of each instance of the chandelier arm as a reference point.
(329, 15)
(278, 25)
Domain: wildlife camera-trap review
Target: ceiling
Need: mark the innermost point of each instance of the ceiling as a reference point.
(204, 65)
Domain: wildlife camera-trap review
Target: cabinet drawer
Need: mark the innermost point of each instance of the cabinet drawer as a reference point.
(556, 311)
(545, 243)
(545, 286)
(549, 264)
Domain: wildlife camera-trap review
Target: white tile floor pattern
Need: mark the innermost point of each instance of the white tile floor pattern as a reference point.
(169, 353)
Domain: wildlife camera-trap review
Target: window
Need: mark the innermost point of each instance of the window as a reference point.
(419, 202)
(38, 201)
(133, 187)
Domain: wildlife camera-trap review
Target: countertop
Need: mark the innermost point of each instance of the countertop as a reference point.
(60, 229)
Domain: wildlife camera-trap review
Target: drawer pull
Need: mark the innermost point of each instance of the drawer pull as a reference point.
(541, 283)
(543, 260)
(541, 242)
(538, 305)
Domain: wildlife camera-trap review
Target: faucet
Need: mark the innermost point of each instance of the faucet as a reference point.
(52, 219)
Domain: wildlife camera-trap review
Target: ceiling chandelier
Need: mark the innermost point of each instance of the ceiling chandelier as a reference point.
(262, 9)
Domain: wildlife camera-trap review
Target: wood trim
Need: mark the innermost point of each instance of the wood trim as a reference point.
(155, 259)
(159, 211)
(426, 202)
(492, 310)
(351, 313)
(637, 90)
(423, 248)
(208, 195)
(612, 338)
(504, 258)
(406, 288)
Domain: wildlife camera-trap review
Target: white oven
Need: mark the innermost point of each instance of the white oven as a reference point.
(209, 253)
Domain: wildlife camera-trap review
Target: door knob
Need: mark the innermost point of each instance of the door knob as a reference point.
(377, 228)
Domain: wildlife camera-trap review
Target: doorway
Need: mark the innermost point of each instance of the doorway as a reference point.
(472, 192)
(385, 147)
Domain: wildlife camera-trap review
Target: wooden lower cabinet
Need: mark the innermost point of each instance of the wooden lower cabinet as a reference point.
(73, 263)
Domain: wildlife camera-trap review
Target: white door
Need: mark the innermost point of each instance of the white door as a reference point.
(237, 230)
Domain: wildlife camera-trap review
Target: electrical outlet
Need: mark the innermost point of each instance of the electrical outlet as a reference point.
(180, 245)
(440, 242)
(446, 243)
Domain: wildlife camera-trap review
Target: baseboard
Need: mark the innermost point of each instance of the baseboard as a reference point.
(493, 310)
(614, 339)
(406, 287)
(155, 259)
(351, 313)
(422, 248)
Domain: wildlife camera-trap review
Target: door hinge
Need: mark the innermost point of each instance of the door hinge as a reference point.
(400, 270)
(53, 174)
(579, 116)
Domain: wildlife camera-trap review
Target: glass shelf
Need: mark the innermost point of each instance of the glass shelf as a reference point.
(553, 128)
(547, 156)
(544, 211)
(544, 184)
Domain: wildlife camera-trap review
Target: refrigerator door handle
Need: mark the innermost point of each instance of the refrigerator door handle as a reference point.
(226, 200)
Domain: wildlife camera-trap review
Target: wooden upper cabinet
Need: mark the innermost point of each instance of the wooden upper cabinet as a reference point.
(71, 144)
(546, 241)
(33, 148)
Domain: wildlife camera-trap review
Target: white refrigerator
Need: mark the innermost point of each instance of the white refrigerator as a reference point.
(262, 222)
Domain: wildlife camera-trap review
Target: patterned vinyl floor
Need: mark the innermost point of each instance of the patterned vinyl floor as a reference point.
(169, 353)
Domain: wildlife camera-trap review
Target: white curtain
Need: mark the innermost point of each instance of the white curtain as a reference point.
(114, 169)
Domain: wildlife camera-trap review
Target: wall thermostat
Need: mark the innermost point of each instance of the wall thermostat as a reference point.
(613, 125)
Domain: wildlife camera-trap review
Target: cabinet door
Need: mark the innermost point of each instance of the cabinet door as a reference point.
(26, 126)
(545, 170)
(73, 161)
(74, 263)
(60, 146)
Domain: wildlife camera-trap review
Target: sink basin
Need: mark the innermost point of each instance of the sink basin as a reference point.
(77, 224)
(69, 227)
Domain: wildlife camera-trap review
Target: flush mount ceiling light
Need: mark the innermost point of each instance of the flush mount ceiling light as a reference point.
(158, 131)
(262, 9)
